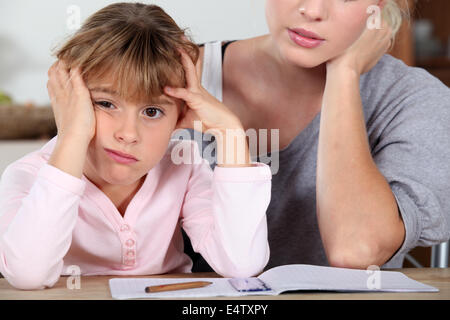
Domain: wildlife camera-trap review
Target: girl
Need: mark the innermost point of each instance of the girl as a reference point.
(105, 195)
(365, 153)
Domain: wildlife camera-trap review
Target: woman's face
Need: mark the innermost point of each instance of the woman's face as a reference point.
(337, 23)
(139, 129)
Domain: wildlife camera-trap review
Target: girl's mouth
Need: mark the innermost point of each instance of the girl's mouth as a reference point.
(120, 157)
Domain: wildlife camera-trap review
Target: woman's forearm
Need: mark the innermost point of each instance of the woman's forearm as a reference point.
(357, 212)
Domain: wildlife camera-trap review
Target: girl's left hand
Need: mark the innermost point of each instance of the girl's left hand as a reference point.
(202, 106)
(365, 52)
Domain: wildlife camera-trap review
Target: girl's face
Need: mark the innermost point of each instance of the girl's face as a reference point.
(336, 23)
(141, 130)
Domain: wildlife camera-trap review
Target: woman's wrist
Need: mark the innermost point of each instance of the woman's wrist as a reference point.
(341, 76)
(342, 69)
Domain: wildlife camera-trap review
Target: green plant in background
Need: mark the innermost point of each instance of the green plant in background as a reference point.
(4, 98)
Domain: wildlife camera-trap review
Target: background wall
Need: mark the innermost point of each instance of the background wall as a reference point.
(29, 29)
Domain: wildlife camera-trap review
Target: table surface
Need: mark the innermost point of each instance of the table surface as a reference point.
(97, 288)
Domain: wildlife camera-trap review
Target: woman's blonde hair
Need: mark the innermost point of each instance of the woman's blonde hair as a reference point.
(394, 13)
(135, 43)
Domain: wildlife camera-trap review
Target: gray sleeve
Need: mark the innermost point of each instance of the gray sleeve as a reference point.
(413, 154)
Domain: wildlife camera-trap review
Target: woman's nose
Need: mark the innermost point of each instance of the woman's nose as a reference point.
(313, 10)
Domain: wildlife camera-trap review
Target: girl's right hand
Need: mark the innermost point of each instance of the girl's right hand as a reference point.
(71, 103)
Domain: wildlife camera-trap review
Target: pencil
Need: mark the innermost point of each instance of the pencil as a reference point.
(177, 286)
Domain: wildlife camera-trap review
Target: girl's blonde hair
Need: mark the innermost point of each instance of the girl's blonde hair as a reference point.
(135, 43)
(394, 13)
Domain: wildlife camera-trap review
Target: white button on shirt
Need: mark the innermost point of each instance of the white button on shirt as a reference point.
(125, 228)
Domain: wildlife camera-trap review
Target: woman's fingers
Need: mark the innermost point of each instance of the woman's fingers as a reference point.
(384, 34)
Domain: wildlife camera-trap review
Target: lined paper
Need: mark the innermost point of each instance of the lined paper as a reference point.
(309, 277)
(132, 288)
(280, 279)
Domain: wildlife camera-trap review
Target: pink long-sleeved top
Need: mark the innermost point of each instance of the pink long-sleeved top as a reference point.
(51, 221)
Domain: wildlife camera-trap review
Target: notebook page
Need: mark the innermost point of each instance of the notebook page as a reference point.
(309, 277)
(133, 288)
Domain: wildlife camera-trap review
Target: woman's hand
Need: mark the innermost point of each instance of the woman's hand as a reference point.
(365, 52)
(202, 106)
(71, 103)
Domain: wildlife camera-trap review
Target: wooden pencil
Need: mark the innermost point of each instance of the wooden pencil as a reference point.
(177, 286)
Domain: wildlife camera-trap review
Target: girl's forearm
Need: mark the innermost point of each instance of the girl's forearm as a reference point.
(69, 155)
(232, 148)
(357, 212)
(38, 215)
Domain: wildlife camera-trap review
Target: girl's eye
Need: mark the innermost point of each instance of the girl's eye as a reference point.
(153, 113)
(104, 104)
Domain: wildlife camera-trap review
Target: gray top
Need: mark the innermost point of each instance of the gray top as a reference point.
(407, 114)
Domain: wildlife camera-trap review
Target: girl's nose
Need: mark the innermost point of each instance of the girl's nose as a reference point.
(127, 130)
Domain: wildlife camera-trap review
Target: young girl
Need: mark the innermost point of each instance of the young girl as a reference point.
(105, 195)
(364, 139)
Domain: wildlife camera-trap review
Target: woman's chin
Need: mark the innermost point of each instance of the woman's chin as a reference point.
(307, 60)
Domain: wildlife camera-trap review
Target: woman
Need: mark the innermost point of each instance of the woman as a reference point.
(364, 141)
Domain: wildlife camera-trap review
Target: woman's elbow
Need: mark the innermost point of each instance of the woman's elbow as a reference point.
(361, 256)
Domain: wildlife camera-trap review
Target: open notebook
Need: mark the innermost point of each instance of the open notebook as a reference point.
(293, 277)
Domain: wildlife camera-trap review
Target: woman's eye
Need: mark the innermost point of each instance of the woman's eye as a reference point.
(153, 113)
(104, 104)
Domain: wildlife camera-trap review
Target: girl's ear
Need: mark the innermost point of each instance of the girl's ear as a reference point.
(182, 122)
(182, 111)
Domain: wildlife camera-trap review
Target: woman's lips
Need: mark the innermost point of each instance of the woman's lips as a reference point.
(120, 157)
(303, 39)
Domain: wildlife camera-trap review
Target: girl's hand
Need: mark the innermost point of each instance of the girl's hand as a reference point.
(71, 103)
(365, 52)
(202, 106)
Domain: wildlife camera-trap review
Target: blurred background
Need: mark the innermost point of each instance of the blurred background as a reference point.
(30, 29)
